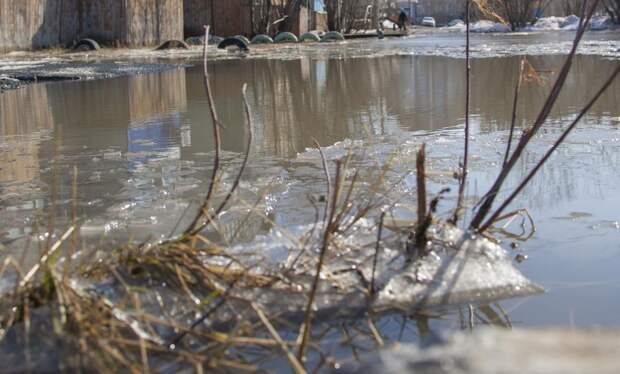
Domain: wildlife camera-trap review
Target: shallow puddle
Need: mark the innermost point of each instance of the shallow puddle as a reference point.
(140, 150)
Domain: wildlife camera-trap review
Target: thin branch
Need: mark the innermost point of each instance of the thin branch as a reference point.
(244, 164)
(515, 103)
(328, 177)
(377, 248)
(421, 183)
(528, 135)
(548, 154)
(204, 209)
(463, 180)
(317, 277)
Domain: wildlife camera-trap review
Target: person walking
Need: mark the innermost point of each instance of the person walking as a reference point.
(402, 20)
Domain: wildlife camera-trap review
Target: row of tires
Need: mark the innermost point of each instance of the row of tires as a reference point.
(239, 41)
(242, 42)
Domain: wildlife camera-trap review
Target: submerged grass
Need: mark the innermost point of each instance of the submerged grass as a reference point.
(186, 303)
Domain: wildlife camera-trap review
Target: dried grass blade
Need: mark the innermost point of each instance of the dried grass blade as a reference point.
(295, 364)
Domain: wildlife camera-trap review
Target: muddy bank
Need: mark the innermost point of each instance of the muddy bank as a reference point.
(18, 71)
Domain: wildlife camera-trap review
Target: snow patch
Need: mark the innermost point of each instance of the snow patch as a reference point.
(569, 23)
(489, 26)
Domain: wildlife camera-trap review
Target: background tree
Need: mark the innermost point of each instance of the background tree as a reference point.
(271, 16)
(261, 15)
(612, 7)
(516, 13)
(291, 11)
(572, 6)
(333, 10)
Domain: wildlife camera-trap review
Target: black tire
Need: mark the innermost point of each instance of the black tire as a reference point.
(262, 39)
(86, 45)
(245, 40)
(195, 40)
(172, 44)
(286, 37)
(309, 37)
(333, 36)
(233, 42)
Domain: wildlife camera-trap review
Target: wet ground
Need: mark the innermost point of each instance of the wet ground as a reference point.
(141, 150)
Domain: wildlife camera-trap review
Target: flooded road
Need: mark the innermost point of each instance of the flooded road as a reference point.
(140, 149)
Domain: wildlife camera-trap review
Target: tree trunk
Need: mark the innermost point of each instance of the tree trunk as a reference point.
(375, 14)
(612, 7)
(332, 14)
(292, 11)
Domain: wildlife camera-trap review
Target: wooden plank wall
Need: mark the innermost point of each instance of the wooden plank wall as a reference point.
(197, 13)
(151, 22)
(226, 17)
(27, 23)
(234, 18)
(34, 24)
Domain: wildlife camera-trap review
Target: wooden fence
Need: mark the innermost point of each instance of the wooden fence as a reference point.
(34, 24)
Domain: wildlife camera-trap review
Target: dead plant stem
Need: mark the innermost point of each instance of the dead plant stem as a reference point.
(515, 103)
(204, 209)
(549, 152)
(305, 329)
(529, 134)
(377, 249)
(463, 176)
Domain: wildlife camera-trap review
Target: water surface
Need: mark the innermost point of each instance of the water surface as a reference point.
(142, 150)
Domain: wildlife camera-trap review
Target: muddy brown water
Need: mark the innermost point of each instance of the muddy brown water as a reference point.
(142, 147)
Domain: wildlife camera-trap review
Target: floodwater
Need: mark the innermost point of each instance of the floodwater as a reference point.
(140, 148)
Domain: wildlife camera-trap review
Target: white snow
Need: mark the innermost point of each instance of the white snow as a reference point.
(569, 23)
(489, 26)
(389, 25)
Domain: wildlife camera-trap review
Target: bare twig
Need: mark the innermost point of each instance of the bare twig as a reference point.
(421, 183)
(529, 134)
(377, 248)
(463, 179)
(515, 103)
(548, 154)
(248, 147)
(305, 329)
(204, 209)
(329, 180)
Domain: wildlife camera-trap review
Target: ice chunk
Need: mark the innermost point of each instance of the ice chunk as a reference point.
(462, 268)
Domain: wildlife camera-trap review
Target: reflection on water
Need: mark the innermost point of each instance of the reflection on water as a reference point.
(112, 128)
(24, 118)
(142, 144)
(293, 102)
